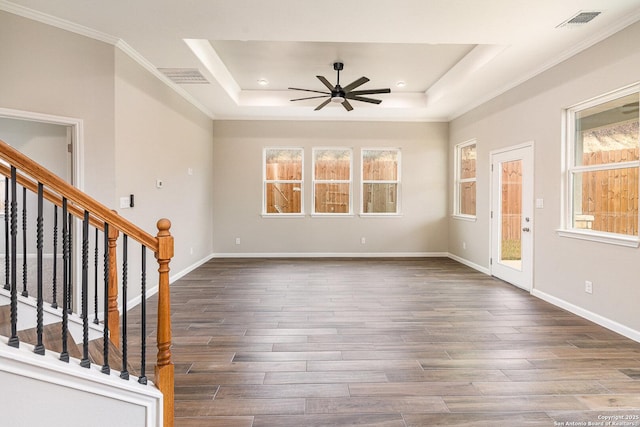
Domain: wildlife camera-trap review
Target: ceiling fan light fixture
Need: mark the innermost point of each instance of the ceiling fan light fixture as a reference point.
(338, 99)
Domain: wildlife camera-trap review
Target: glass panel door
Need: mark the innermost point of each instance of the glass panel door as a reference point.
(512, 215)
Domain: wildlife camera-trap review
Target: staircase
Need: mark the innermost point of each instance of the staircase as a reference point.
(63, 309)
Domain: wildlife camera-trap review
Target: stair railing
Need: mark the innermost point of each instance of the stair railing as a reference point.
(19, 170)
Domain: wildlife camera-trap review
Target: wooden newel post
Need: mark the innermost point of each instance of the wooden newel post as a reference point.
(114, 314)
(164, 372)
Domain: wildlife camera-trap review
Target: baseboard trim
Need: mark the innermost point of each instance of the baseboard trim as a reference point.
(468, 263)
(154, 289)
(332, 255)
(589, 315)
(189, 269)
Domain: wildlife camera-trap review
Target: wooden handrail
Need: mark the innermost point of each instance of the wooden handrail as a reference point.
(58, 185)
(49, 195)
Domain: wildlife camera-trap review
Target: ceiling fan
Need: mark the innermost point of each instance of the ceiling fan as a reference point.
(342, 95)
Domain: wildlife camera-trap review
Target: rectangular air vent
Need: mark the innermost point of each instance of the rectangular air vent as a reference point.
(184, 75)
(580, 18)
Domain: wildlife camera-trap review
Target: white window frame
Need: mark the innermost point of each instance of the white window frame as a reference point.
(570, 169)
(265, 182)
(458, 181)
(315, 181)
(398, 183)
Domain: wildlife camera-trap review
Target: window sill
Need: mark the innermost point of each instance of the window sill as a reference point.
(301, 215)
(608, 238)
(470, 218)
(332, 215)
(380, 215)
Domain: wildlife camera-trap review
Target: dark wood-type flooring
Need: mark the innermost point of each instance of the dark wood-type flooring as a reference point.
(387, 342)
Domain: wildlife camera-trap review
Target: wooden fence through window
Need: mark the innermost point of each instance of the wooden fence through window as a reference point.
(611, 196)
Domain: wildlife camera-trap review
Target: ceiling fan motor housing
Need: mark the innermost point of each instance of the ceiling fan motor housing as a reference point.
(337, 94)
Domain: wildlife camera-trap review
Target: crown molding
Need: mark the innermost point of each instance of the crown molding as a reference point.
(63, 24)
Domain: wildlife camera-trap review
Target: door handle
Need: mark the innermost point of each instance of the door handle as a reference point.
(526, 229)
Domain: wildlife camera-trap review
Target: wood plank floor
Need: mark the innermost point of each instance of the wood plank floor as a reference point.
(387, 342)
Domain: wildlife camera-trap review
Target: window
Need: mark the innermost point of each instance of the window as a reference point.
(283, 185)
(464, 204)
(332, 180)
(603, 161)
(380, 181)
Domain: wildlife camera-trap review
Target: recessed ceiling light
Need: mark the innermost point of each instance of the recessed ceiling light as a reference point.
(401, 84)
(263, 82)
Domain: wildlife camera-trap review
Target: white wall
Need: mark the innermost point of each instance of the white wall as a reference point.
(421, 229)
(40, 390)
(533, 112)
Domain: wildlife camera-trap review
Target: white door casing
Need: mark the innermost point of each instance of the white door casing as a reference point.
(512, 221)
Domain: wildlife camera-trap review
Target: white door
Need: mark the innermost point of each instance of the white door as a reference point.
(512, 215)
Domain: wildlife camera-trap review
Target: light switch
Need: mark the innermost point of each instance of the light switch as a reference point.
(539, 203)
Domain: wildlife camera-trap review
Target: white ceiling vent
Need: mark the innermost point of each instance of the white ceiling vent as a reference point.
(580, 18)
(184, 75)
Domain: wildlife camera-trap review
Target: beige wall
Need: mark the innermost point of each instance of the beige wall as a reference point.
(159, 135)
(237, 187)
(533, 112)
(55, 72)
(135, 128)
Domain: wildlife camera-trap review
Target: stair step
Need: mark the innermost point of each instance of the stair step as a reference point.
(115, 356)
(5, 320)
(51, 339)
(27, 316)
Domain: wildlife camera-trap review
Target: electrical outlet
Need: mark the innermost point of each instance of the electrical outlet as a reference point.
(363, 240)
(237, 240)
(588, 287)
(464, 245)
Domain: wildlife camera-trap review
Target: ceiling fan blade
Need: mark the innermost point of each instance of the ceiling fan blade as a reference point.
(363, 99)
(370, 91)
(310, 90)
(346, 105)
(355, 84)
(325, 82)
(309, 97)
(323, 104)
